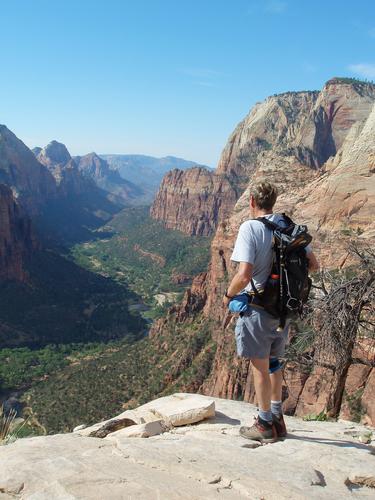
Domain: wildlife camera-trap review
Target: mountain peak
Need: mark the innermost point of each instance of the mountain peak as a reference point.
(55, 153)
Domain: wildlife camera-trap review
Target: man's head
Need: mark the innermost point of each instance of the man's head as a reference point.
(263, 196)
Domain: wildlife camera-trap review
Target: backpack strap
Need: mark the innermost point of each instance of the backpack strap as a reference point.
(269, 224)
(275, 227)
(288, 219)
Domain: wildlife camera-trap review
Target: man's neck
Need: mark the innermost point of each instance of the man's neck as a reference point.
(257, 212)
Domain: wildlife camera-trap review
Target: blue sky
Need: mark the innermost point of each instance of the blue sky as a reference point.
(165, 77)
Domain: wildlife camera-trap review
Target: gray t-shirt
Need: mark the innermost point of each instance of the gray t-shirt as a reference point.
(254, 245)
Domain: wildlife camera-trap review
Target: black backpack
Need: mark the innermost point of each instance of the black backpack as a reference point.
(288, 285)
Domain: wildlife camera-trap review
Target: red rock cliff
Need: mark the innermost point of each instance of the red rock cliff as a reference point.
(194, 200)
(16, 237)
(31, 183)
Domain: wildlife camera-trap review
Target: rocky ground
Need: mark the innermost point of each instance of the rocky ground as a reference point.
(205, 459)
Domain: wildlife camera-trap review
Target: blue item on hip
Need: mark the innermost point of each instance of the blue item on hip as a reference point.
(239, 303)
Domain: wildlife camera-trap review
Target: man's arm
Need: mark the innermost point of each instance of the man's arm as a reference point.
(239, 281)
(313, 262)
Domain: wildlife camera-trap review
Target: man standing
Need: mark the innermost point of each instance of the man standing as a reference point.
(257, 335)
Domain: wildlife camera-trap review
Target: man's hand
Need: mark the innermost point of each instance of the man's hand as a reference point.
(226, 301)
(239, 281)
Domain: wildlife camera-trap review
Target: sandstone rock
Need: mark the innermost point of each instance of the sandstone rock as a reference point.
(102, 429)
(11, 487)
(351, 406)
(316, 391)
(196, 464)
(175, 410)
(368, 400)
(181, 409)
(294, 381)
(141, 430)
(79, 427)
(193, 201)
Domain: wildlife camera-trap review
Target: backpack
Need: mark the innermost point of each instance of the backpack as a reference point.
(288, 286)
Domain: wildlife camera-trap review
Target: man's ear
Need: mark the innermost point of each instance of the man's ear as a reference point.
(252, 201)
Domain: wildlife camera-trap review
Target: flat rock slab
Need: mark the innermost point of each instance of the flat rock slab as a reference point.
(177, 409)
(200, 461)
(181, 409)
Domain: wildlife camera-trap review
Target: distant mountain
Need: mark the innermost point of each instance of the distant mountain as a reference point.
(109, 179)
(31, 183)
(146, 172)
(54, 154)
(64, 169)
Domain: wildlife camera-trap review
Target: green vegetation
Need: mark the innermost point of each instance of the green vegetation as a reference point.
(12, 428)
(78, 352)
(319, 417)
(96, 387)
(62, 303)
(145, 256)
(19, 367)
(354, 402)
(350, 80)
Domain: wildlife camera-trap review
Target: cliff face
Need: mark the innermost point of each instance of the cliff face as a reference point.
(32, 184)
(16, 237)
(319, 149)
(194, 200)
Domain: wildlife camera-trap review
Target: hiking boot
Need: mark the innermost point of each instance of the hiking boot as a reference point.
(280, 426)
(261, 431)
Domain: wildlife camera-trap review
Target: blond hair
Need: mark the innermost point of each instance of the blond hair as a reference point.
(265, 195)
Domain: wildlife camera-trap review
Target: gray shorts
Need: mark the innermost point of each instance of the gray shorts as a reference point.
(256, 335)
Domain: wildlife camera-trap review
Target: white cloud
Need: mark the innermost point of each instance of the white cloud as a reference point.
(364, 70)
(275, 7)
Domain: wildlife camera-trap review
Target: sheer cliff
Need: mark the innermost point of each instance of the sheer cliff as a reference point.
(32, 184)
(16, 237)
(194, 200)
(318, 147)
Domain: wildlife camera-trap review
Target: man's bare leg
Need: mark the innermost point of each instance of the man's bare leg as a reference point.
(262, 383)
(276, 385)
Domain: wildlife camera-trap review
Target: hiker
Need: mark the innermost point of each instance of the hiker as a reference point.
(259, 336)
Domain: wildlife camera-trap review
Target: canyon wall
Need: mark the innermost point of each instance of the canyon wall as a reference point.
(194, 200)
(16, 237)
(31, 183)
